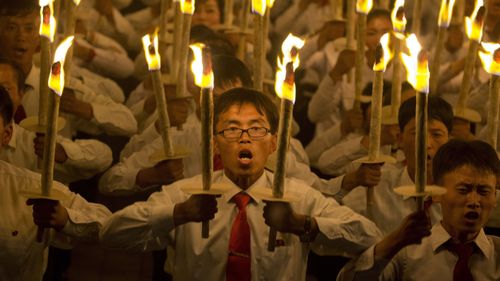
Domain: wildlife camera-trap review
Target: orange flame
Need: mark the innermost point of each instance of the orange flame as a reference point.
(77, 2)
(285, 80)
(259, 6)
(151, 51)
(474, 23)
(202, 66)
(56, 78)
(187, 6)
(445, 12)
(364, 6)
(398, 16)
(270, 3)
(48, 24)
(385, 54)
(416, 65)
(490, 58)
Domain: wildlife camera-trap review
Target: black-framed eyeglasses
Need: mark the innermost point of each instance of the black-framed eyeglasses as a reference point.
(236, 133)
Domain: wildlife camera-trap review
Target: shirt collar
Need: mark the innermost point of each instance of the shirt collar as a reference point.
(13, 140)
(32, 80)
(405, 180)
(440, 236)
(262, 181)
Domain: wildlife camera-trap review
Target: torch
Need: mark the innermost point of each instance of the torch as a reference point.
(445, 13)
(187, 8)
(363, 7)
(474, 29)
(416, 64)
(285, 89)
(490, 58)
(177, 38)
(350, 31)
(337, 8)
(417, 12)
(56, 84)
(399, 25)
(243, 30)
(259, 9)
(382, 57)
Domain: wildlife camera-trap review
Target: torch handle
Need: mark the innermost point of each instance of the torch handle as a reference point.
(272, 240)
(369, 195)
(40, 234)
(205, 229)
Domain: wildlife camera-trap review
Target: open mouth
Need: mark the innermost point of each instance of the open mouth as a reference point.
(472, 216)
(245, 156)
(19, 51)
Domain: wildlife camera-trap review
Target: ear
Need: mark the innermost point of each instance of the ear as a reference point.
(7, 134)
(216, 146)
(274, 142)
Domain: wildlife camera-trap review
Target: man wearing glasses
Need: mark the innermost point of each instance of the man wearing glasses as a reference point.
(245, 135)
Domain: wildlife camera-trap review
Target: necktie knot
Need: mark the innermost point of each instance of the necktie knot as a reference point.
(462, 272)
(241, 199)
(464, 251)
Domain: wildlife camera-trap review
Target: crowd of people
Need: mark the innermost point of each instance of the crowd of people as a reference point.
(112, 130)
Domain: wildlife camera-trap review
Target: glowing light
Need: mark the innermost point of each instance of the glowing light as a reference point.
(364, 6)
(202, 66)
(259, 6)
(56, 78)
(151, 51)
(398, 16)
(385, 54)
(445, 12)
(474, 23)
(416, 65)
(48, 24)
(285, 80)
(490, 58)
(187, 6)
(270, 3)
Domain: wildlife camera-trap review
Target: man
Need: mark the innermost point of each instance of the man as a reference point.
(245, 135)
(455, 248)
(389, 208)
(21, 256)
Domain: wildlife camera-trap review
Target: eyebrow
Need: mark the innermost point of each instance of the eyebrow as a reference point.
(252, 121)
(471, 185)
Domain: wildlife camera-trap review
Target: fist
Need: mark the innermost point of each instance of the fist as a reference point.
(197, 208)
(344, 63)
(48, 213)
(170, 170)
(38, 145)
(72, 105)
(369, 175)
(280, 216)
(352, 120)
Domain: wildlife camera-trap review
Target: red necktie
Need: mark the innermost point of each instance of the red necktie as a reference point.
(461, 272)
(19, 115)
(238, 262)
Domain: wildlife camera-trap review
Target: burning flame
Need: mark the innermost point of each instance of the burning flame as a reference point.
(151, 51)
(202, 66)
(490, 57)
(474, 23)
(56, 78)
(445, 12)
(398, 16)
(77, 2)
(416, 65)
(48, 24)
(187, 6)
(384, 54)
(364, 6)
(259, 6)
(270, 3)
(285, 80)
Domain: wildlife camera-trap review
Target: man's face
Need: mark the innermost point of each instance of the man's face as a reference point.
(375, 29)
(468, 202)
(8, 80)
(437, 135)
(246, 156)
(207, 13)
(20, 39)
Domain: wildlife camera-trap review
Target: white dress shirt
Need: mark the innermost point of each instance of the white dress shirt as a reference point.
(22, 258)
(389, 208)
(147, 226)
(86, 158)
(99, 84)
(109, 117)
(427, 261)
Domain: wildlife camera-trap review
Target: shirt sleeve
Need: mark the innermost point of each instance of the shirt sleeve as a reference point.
(322, 142)
(334, 160)
(144, 226)
(138, 141)
(326, 101)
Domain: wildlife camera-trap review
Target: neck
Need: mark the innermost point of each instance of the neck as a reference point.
(457, 236)
(243, 181)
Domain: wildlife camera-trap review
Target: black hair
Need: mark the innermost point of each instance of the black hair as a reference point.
(6, 106)
(457, 153)
(438, 109)
(378, 13)
(230, 69)
(219, 45)
(18, 72)
(220, 5)
(18, 7)
(240, 96)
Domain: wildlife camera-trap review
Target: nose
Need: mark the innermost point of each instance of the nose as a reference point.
(245, 137)
(473, 199)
